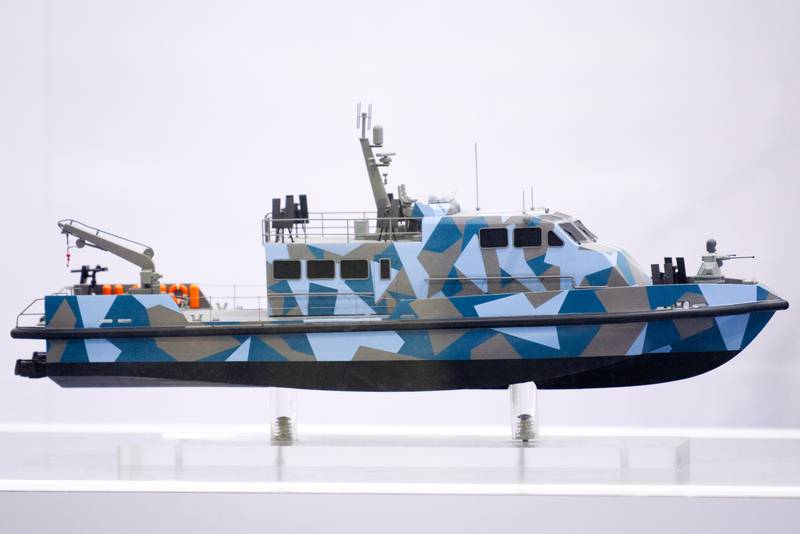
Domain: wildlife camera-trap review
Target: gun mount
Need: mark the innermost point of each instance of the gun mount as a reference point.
(289, 218)
(86, 235)
(711, 267)
(88, 278)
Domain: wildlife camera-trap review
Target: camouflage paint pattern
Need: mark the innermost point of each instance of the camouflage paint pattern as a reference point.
(444, 275)
(448, 261)
(723, 333)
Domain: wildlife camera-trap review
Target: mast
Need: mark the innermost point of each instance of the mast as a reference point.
(364, 121)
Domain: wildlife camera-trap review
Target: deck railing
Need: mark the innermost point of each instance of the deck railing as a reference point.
(343, 227)
(246, 302)
(32, 315)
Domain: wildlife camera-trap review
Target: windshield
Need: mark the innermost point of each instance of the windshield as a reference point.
(586, 231)
(573, 232)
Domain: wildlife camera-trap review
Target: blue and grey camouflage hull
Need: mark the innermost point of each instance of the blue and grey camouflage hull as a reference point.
(569, 338)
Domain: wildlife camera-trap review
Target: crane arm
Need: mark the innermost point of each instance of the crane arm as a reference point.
(108, 242)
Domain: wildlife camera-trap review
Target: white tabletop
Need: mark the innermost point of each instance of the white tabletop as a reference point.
(401, 460)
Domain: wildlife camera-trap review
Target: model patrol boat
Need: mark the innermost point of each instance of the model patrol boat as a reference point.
(414, 296)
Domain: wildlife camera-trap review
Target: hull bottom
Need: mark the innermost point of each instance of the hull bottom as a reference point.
(419, 375)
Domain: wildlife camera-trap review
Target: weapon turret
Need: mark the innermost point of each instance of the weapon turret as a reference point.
(711, 266)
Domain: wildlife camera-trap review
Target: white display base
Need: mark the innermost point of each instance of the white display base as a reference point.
(370, 460)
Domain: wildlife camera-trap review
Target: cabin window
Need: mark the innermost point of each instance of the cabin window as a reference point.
(493, 237)
(553, 240)
(286, 269)
(386, 268)
(573, 232)
(527, 237)
(354, 269)
(588, 233)
(317, 269)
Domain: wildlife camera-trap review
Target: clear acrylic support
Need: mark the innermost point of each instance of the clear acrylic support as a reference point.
(283, 415)
(524, 419)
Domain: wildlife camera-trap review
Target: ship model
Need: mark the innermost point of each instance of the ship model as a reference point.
(411, 296)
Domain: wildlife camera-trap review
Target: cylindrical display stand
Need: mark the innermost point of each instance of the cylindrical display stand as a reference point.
(524, 419)
(283, 415)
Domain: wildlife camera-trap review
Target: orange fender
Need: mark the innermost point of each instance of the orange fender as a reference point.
(194, 296)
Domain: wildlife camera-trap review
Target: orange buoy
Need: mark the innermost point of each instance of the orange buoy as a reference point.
(178, 287)
(194, 296)
(162, 288)
(106, 289)
(119, 290)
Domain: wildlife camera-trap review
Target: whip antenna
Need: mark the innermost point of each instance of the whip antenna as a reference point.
(477, 202)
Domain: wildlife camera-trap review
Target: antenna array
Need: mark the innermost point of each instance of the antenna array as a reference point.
(364, 120)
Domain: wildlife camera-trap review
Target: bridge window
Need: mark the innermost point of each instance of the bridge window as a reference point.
(553, 240)
(573, 232)
(317, 269)
(494, 237)
(588, 233)
(527, 237)
(354, 269)
(286, 269)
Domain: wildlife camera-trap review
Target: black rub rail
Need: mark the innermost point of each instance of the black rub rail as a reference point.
(395, 324)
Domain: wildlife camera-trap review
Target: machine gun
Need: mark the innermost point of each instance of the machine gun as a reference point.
(711, 267)
(94, 237)
(87, 273)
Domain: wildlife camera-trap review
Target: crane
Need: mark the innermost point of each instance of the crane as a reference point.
(86, 235)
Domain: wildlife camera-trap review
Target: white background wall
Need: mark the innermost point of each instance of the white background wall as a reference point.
(659, 123)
